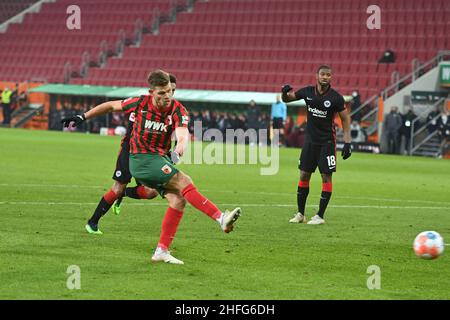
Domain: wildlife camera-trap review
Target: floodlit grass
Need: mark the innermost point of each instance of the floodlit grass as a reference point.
(50, 183)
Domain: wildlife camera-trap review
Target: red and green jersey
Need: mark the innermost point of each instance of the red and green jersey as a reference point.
(153, 128)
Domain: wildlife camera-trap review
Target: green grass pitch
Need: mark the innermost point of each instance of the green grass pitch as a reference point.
(50, 183)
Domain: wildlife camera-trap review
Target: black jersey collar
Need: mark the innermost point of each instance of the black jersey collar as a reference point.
(318, 93)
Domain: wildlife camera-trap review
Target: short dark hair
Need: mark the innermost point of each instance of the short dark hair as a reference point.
(173, 79)
(158, 78)
(323, 66)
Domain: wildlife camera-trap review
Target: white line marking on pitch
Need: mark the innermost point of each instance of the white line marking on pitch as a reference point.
(220, 204)
(31, 185)
(229, 191)
(338, 197)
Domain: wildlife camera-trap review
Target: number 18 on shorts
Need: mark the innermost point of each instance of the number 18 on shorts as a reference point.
(321, 155)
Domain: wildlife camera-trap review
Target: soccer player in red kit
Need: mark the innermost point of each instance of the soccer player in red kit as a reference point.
(319, 149)
(122, 177)
(157, 116)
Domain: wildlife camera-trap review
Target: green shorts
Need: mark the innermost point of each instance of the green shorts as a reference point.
(152, 170)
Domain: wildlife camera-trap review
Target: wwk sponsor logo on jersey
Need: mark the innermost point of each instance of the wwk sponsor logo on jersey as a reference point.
(318, 113)
(153, 125)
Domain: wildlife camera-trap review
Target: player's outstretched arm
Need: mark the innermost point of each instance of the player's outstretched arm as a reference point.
(345, 118)
(101, 109)
(104, 108)
(287, 94)
(182, 135)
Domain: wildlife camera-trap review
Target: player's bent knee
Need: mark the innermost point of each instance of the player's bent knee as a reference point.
(176, 201)
(118, 188)
(185, 180)
(178, 182)
(181, 203)
(326, 177)
(151, 193)
(305, 176)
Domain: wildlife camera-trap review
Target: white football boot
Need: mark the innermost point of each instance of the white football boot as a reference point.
(316, 220)
(298, 218)
(227, 219)
(165, 256)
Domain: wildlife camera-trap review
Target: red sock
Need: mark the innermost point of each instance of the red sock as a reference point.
(110, 196)
(140, 191)
(327, 186)
(169, 227)
(303, 184)
(191, 194)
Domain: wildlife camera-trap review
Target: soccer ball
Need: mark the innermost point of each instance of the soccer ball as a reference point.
(428, 245)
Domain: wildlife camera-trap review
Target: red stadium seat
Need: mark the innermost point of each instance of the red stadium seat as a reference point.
(234, 44)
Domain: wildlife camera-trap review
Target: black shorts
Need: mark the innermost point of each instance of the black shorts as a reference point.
(314, 155)
(277, 123)
(122, 173)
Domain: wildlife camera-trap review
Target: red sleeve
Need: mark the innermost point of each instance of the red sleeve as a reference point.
(180, 116)
(130, 104)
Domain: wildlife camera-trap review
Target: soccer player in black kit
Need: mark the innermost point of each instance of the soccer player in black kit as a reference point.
(319, 149)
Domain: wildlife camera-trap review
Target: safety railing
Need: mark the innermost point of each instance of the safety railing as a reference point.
(413, 146)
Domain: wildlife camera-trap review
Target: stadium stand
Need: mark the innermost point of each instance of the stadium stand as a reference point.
(231, 44)
(39, 48)
(9, 8)
(258, 45)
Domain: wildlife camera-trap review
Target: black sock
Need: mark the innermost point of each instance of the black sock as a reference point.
(302, 194)
(324, 199)
(132, 193)
(119, 200)
(101, 210)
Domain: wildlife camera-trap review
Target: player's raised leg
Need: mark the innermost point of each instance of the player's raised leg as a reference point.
(180, 182)
(158, 172)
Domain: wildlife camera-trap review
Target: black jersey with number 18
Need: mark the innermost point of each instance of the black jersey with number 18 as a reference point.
(321, 110)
